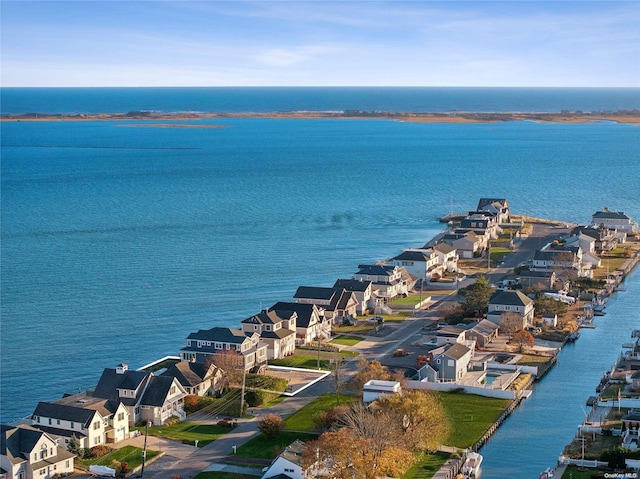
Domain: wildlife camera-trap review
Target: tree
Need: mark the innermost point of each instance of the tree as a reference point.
(477, 297)
(421, 418)
(368, 371)
(546, 305)
(523, 338)
(510, 322)
(231, 365)
(270, 425)
(74, 445)
(330, 418)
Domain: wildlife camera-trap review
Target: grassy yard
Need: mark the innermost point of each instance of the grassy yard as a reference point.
(188, 432)
(302, 420)
(427, 466)
(408, 301)
(306, 361)
(129, 454)
(262, 448)
(470, 416)
(346, 340)
(575, 472)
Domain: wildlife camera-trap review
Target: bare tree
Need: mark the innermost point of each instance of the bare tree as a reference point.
(231, 365)
(510, 322)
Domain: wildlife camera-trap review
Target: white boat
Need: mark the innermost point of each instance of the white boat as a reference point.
(471, 466)
(547, 473)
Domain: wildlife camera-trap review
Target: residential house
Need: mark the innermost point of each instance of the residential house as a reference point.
(205, 343)
(310, 322)
(537, 280)
(422, 263)
(288, 464)
(376, 388)
(483, 333)
(467, 244)
(448, 364)
(499, 206)
(481, 223)
(606, 239)
(447, 257)
(28, 453)
(363, 290)
(614, 220)
(91, 420)
(338, 305)
(510, 301)
(568, 257)
(145, 396)
(276, 330)
(387, 280)
(196, 378)
(550, 319)
(450, 335)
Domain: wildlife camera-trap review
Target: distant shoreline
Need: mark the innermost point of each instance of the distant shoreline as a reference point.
(632, 117)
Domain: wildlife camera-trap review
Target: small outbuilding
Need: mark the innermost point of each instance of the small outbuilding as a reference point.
(376, 388)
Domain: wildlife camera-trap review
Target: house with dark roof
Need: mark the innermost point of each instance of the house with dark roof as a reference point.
(146, 397)
(449, 364)
(196, 378)
(498, 206)
(483, 332)
(363, 291)
(467, 243)
(510, 301)
(482, 223)
(91, 420)
(537, 280)
(606, 239)
(205, 343)
(614, 220)
(288, 464)
(421, 263)
(276, 330)
(387, 280)
(337, 304)
(447, 257)
(310, 322)
(26, 453)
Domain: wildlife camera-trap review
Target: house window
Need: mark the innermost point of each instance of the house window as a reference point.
(218, 345)
(199, 344)
(58, 421)
(96, 425)
(37, 418)
(189, 343)
(121, 416)
(71, 425)
(50, 421)
(226, 346)
(43, 452)
(173, 389)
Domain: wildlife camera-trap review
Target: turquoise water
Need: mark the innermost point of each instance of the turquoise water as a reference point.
(122, 100)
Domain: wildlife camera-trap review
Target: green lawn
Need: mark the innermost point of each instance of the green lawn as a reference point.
(408, 301)
(306, 361)
(188, 432)
(302, 420)
(129, 454)
(574, 472)
(346, 340)
(262, 448)
(427, 466)
(470, 416)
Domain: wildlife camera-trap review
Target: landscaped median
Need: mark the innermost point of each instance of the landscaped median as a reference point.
(130, 455)
(189, 432)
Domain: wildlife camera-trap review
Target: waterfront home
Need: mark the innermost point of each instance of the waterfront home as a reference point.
(483, 332)
(549, 319)
(448, 364)
(422, 263)
(310, 322)
(28, 453)
(91, 420)
(509, 301)
(196, 378)
(338, 305)
(615, 220)
(276, 329)
(467, 244)
(499, 206)
(204, 343)
(481, 223)
(387, 280)
(363, 290)
(447, 257)
(288, 464)
(605, 239)
(376, 388)
(146, 397)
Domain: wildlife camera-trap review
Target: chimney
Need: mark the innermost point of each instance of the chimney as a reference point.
(121, 368)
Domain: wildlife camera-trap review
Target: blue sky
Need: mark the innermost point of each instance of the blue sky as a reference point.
(320, 43)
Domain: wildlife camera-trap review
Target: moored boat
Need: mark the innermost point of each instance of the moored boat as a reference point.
(471, 466)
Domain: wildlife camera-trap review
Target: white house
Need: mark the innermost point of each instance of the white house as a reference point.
(92, 420)
(277, 330)
(310, 321)
(288, 463)
(387, 280)
(615, 220)
(447, 257)
(422, 263)
(28, 453)
(195, 378)
(499, 206)
(363, 291)
(376, 388)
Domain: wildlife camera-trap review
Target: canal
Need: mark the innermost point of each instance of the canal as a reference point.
(533, 437)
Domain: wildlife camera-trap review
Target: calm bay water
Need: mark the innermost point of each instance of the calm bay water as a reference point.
(118, 239)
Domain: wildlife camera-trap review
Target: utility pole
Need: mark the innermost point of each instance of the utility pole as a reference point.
(244, 375)
(144, 448)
